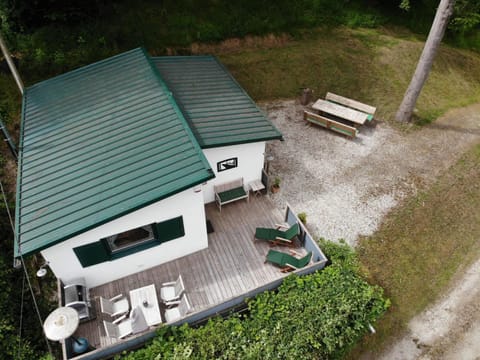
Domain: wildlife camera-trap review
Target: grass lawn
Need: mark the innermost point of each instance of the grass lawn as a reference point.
(370, 65)
(421, 245)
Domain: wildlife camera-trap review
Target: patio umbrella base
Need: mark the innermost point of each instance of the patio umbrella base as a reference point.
(79, 345)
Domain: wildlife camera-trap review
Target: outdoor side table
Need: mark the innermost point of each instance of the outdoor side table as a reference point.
(257, 186)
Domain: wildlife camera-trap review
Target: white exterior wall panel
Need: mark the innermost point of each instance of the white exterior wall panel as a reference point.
(250, 163)
(189, 204)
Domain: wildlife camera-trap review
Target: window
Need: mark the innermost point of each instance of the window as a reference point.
(129, 242)
(227, 164)
(130, 238)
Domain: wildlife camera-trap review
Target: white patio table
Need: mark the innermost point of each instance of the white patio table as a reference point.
(146, 299)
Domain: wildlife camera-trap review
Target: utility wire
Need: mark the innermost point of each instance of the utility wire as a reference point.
(36, 305)
(21, 319)
(25, 270)
(8, 209)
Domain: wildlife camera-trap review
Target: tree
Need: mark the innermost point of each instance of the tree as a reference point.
(466, 17)
(444, 11)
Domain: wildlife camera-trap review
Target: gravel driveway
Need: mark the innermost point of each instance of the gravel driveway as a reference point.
(347, 186)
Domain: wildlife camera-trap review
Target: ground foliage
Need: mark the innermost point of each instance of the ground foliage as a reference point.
(21, 334)
(421, 246)
(317, 316)
(48, 37)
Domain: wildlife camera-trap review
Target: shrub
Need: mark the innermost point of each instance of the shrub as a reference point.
(277, 181)
(302, 217)
(314, 316)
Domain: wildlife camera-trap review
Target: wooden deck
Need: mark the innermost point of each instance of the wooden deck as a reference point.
(232, 265)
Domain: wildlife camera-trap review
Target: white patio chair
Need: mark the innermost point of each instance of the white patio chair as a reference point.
(179, 311)
(118, 305)
(171, 291)
(118, 329)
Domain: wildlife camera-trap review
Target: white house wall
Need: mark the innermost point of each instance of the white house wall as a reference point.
(189, 204)
(250, 163)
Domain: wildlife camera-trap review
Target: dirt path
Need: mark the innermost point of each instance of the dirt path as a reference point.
(347, 186)
(450, 329)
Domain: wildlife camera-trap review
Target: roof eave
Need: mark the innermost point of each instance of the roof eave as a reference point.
(16, 240)
(239, 142)
(209, 175)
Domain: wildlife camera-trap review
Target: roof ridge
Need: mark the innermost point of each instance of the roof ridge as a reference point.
(79, 131)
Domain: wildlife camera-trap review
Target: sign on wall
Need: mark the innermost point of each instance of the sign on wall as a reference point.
(227, 164)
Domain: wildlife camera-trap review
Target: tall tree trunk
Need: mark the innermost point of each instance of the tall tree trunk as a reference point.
(444, 11)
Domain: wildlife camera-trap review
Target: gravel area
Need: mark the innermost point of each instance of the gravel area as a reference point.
(347, 186)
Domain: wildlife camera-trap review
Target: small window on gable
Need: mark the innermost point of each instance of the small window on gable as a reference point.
(129, 238)
(227, 164)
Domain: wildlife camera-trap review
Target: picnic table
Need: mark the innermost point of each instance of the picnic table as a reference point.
(340, 111)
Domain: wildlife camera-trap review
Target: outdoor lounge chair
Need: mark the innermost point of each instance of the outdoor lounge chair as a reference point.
(179, 311)
(171, 291)
(123, 326)
(278, 236)
(118, 305)
(287, 262)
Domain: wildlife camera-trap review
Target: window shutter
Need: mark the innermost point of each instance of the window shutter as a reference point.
(169, 230)
(93, 253)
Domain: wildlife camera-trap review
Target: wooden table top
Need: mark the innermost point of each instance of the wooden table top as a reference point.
(152, 310)
(340, 111)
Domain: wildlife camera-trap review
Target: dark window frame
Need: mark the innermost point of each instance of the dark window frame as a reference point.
(100, 251)
(233, 165)
(110, 240)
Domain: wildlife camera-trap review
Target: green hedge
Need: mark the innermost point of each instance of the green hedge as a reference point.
(310, 317)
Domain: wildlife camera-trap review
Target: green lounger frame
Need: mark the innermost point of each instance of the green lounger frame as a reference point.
(287, 262)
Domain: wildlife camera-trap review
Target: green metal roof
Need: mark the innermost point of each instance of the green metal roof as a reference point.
(97, 143)
(218, 109)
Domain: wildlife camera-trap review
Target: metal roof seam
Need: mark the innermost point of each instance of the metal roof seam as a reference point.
(205, 89)
(85, 161)
(79, 198)
(132, 129)
(102, 204)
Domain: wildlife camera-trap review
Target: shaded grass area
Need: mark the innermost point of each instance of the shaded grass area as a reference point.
(373, 66)
(421, 246)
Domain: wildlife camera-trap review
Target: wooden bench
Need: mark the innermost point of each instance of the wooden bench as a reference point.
(353, 104)
(230, 191)
(337, 126)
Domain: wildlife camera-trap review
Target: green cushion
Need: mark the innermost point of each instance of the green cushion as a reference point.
(228, 195)
(266, 233)
(272, 234)
(282, 259)
(277, 257)
(292, 232)
(300, 263)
